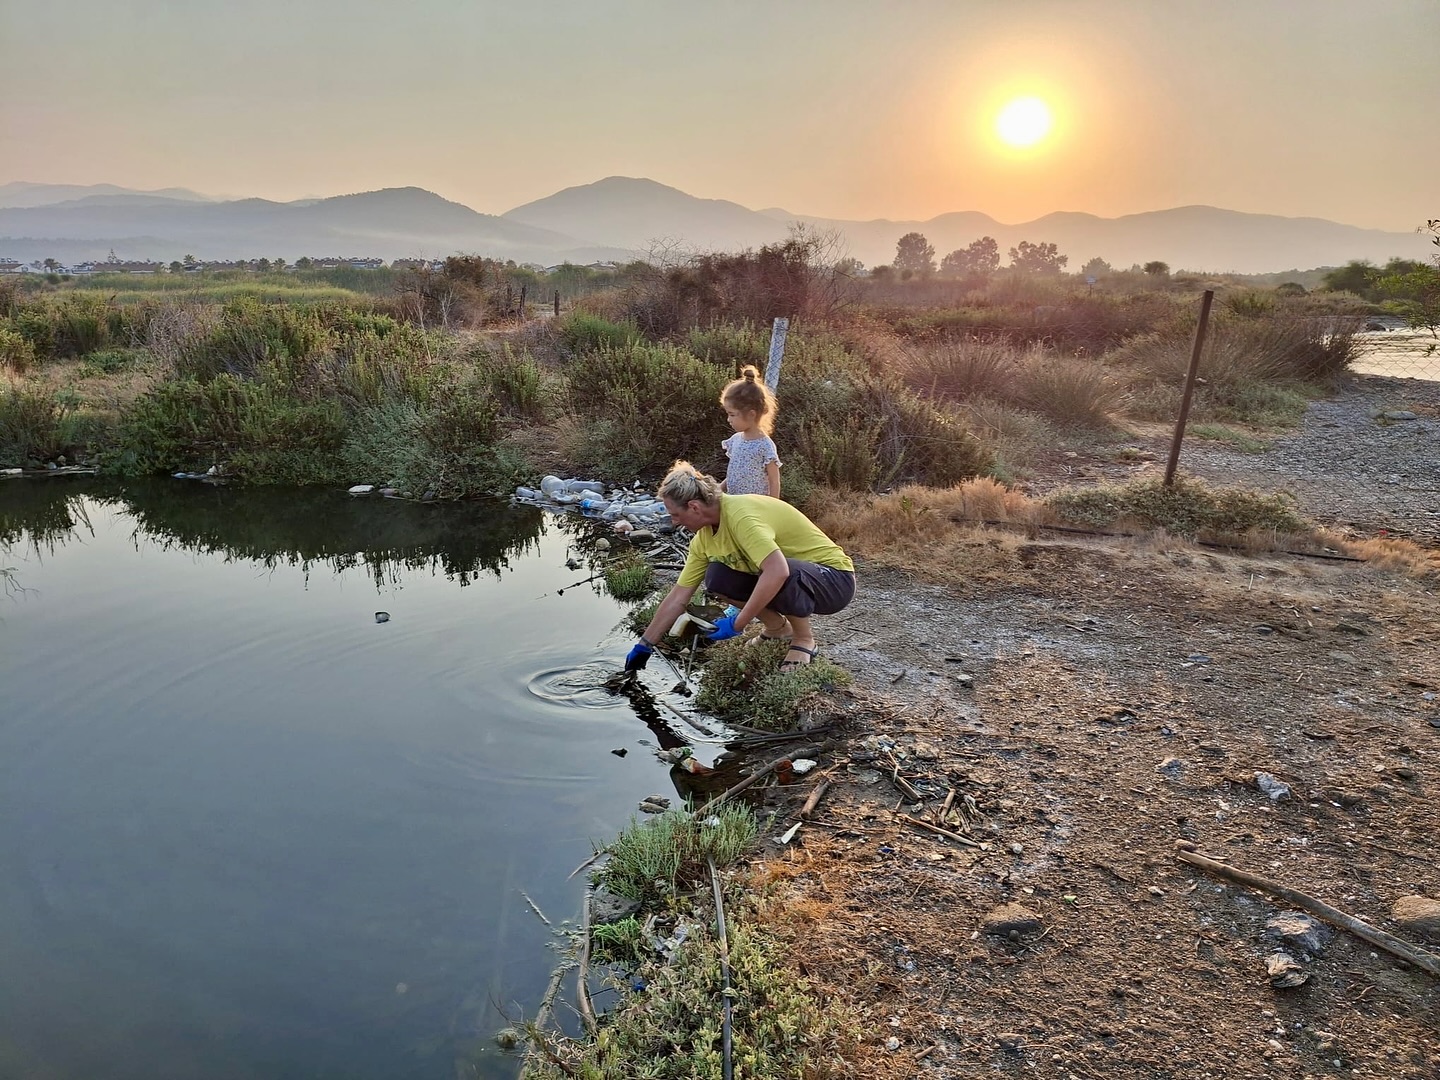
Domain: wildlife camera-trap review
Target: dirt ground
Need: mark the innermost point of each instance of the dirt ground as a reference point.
(1103, 704)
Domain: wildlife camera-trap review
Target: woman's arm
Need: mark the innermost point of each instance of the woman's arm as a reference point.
(669, 610)
(772, 477)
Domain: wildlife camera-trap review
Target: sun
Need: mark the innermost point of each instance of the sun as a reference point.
(1023, 122)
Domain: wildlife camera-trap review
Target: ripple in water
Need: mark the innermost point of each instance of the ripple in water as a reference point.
(578, 688)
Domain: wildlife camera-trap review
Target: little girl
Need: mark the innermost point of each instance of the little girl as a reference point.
(754, 463)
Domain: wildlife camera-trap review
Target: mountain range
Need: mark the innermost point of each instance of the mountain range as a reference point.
(620, 218)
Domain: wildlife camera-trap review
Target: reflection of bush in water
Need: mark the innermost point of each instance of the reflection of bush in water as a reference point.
(42, 513)
(296, 527)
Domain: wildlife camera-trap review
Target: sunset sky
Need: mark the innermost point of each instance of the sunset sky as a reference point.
(840, 108)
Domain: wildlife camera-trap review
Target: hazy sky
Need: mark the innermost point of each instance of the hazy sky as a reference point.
(843, 108)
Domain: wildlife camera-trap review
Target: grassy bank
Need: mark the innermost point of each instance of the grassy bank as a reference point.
(435, 388)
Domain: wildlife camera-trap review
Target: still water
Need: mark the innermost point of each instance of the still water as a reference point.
(247, 831)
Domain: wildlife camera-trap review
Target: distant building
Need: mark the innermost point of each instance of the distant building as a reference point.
(10, 266)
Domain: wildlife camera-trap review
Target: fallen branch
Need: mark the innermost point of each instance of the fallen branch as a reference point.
(814, 800)
(582, 984)
(1419, 958)
(536, 908)
(938, 831)
(588, 862)
(753, 778)
(726, 1065)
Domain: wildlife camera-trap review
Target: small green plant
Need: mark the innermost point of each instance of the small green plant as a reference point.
(652, 861)
(1229, 436)
(582, 332)
(639, 616)
(104, 362)
(622, 942)
(743, 681)
(630, 579)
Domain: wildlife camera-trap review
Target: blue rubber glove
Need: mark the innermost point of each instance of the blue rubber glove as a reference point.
(724, 629)
(639, 656)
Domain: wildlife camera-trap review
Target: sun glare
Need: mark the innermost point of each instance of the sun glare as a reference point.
(1023, 122)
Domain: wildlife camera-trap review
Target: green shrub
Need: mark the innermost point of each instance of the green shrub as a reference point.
(516, 383)
(111, 362)
(731, 347)
(922, 442)
(32, 425)
(582, 332)
(742, 681)
(1250, 304)
(643, 406)
(16, 350)
(250, 337)
(1188, 508)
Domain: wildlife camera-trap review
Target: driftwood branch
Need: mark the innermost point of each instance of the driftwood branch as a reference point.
(536, 908)
(726, 1063)
(1416, 957)
(582, 978)
(937, 830)
(814, 800)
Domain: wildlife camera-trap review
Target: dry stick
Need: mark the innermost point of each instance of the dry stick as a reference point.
(582, 985)
(547, 1003)
(692, 722)
(938, 831)
(756, 776)
(726, 1066)
(588, 862)
(814, 800)
(536, 908)
(949, 802)
(1421, 959)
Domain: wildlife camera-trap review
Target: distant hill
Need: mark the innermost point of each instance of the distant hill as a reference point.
(622, 217)
(24, 193)
(640, 214)
(392, 223)
(633, 212)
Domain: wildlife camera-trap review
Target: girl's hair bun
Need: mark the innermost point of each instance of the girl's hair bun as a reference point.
(750, 373)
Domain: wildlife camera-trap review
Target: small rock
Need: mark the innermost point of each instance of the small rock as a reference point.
(1012, 1041)
(1017, 849)
(362, 489)
(654, 804)
(602, 544)
(1155, 890)
(1418, 914)
(620, 751)
(382, 616)
(964, 680)
(609, 907)
(1285, 971)
(1298, 930)
(1273, 787)
(1264, 628)
(507, 1038)
(926, 751)
(1399, 414)
(892, 1044)
(1007, 917)
(1171, 767)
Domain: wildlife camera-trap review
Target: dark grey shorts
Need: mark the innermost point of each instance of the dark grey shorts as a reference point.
(811, 589)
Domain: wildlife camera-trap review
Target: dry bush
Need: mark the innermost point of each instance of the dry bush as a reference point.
(1245, 350)
(1392, 553)
(964, 369)
(1073, 393)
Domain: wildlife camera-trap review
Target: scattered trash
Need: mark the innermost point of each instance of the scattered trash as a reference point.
(892, 1044)
(1197, 658)
(632, 506)
(801, 766)
(1272, 786)
(382, 616)
(789, 834)
(1171, 767)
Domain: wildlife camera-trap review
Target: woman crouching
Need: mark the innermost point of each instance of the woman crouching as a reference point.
(763, 555)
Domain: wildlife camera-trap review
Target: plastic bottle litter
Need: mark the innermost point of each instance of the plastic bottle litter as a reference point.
(638, 508)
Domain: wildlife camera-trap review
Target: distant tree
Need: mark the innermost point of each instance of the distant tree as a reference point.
(1415, 295)
(1358, 276)
(1031, 258)
(849, 267)
(914, 253)
(278, 264)
(51, 264)
(883, 272)
(262, 265)
(304, 263)
(189, 261)
(1157, 269)
(177, 267)
(1096, 268)
(1289, 288)
(980, 258)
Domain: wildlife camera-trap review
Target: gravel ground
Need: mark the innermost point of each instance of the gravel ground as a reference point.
(1368, 459)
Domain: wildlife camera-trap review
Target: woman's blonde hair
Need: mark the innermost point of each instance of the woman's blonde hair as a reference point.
(684, 484)
(750, 394)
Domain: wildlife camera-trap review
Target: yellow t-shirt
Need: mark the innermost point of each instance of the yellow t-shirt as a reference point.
(751, 527)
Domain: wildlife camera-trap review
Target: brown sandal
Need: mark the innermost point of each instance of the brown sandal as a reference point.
(790, 665)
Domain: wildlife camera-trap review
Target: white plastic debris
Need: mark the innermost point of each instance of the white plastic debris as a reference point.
(362, 489)
(800, 766)
(1272, 786)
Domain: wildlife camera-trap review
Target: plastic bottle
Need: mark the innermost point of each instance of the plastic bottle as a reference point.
(528, 494)
(552, 485)
(596, 506)
(583, 485)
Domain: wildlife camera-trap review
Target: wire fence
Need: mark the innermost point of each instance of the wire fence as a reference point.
(1389, 347)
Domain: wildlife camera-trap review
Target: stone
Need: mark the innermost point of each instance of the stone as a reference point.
(1275, 788)
(1418, 914)
(609, 907)
(1008, 918)
(654, 804)
(926, 751)
(1171, 767)
(507, 1038)
(1297, 930)
(1285, 971)
(1399, 414)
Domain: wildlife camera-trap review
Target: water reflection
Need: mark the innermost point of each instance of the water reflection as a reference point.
(304, 528)
(245, 830)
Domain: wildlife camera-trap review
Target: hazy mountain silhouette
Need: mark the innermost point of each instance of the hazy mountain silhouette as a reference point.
(620, 218)
(632, 213)
(639, 214)
(392, 223)
(24, 193)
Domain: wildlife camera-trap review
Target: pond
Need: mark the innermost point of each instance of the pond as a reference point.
(246, 829)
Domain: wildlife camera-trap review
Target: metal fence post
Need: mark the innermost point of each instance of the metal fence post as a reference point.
(1189, 387)
(777, 352)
